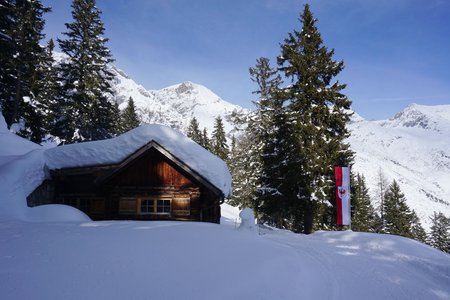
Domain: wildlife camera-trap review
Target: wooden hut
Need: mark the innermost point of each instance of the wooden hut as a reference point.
(154, 179)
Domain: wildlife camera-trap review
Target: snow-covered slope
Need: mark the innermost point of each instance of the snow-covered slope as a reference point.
(414, 148)
(175, 105)
(192, 260)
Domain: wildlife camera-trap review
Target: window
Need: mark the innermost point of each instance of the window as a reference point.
(163, 206)
(155, 206)
(147, 206)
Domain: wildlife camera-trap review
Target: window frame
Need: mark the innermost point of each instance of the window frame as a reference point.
(155, 206)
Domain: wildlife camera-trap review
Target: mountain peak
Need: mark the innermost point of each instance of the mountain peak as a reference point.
(432, 117)
(174, 105)
(411, 116)
(185, 87)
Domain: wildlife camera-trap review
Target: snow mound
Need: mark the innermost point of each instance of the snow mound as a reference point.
(115, 150)
(18, 178)
(56, 213)
(248, 219)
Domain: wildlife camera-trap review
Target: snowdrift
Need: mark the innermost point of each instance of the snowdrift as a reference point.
(176, 260)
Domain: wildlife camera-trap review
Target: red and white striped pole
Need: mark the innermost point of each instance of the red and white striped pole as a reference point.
(342, 175)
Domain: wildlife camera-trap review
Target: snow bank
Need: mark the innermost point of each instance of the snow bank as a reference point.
(18, 178)
(22, 170)
(117, 149)
(56, 213)
(190, 260)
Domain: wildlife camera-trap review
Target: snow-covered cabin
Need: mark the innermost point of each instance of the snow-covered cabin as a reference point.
(149, 173)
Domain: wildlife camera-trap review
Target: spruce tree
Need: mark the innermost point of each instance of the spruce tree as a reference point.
(47, 90)
(440, 232)
(193, 131)
(417, 231)
(88, 111)
(238, 164)
(397, 214)
(317, 113)
(265, 133)
(382, 185)
(6, 57)
(219, 141)
(205, 141)
(25, 28)
(363, 213)
(128, 117)
(116, 116)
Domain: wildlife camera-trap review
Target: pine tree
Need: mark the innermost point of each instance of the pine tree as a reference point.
(219, 141)
(265, 133)
(205, 141)
(363, 213)
(440, 232)
(118, 122)
(128, 117)
(317, 113)
(26, 24)
(193, 131)
(238, 163)
(6, 57)
(382, 185)
(398, 216)
(417, 231)
(88, 112)
(46, 101)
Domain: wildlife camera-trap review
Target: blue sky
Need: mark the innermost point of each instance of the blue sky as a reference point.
(396, 52)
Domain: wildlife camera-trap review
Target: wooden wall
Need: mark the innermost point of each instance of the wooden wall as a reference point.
(151, 169)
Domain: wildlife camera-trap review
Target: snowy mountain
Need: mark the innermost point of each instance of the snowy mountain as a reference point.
(175, 105)
(413, 148)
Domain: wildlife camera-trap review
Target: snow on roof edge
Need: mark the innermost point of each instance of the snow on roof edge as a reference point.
(116, 150)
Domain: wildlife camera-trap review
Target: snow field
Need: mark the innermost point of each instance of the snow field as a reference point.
(190, 260)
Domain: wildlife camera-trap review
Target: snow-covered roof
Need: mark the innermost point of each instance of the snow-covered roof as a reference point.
(116, 150)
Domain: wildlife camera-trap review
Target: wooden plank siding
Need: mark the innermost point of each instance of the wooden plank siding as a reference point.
(133, 191)
(151, 169)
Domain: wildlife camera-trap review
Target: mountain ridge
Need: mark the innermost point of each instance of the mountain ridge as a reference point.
(412, 148)
(174, 105)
